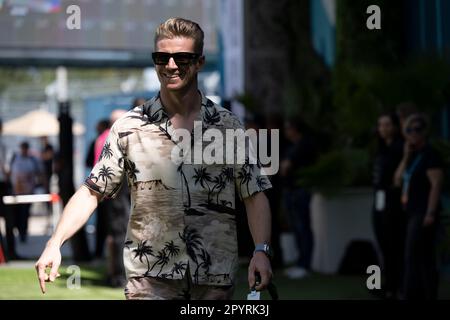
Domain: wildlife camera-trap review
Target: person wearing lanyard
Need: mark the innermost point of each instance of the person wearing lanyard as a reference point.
(388, 215)
(420, 174)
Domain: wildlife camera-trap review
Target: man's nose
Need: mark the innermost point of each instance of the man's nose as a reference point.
(171, 64)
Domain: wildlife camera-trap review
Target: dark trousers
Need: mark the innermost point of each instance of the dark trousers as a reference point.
(118, 214)
(390, 229)
(22, 215)
(7, 212)
(297, 204)
(421, 274)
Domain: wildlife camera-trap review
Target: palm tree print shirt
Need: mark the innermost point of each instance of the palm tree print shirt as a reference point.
(182, 215)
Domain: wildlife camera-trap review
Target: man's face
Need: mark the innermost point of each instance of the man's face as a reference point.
(24, 150)
(175, 77)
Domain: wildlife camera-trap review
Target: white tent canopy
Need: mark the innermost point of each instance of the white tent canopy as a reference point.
(37, 123)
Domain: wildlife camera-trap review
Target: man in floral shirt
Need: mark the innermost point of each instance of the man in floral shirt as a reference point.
(181, 239)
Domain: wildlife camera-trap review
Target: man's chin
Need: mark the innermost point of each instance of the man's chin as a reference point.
(174, 86)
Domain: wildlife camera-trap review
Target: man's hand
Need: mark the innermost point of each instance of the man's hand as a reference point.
(260, 263)
(50, 258)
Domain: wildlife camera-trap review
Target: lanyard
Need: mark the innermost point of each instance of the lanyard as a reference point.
(409, 172)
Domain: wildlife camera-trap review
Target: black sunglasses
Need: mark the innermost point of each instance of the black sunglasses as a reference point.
(414, 129)
(181, 58)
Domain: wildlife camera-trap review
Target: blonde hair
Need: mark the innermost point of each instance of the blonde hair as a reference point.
(179, 27)
(420, 118)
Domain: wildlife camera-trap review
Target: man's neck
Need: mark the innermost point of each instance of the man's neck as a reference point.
(181, 103)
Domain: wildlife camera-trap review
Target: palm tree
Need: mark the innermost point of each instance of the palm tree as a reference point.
(205, 264)
(105, 174)
(178, 268)
(245, 176)
(193, 241)
(203, 177)
(220, 184)
(213, 118)
(262, 182)
(226, 176)
(163, 259)
(131, 170)
(172, 249)
(180, 170)
(142, 251)
(106, 151)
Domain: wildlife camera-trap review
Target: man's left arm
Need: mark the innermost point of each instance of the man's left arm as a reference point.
(259, 221)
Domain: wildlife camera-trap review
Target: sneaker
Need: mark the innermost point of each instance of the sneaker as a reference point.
(296, 273)
(292, 269)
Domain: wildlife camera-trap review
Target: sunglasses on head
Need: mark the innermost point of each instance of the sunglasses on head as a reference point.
(414, 129)
(180, 58)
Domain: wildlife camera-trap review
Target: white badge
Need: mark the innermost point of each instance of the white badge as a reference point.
(254, 295)
(380, 200)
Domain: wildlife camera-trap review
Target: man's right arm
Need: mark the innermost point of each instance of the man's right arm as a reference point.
(75, 215)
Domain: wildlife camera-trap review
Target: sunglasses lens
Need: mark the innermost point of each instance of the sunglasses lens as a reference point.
(181, 58)
(160, 58)
(414, 129)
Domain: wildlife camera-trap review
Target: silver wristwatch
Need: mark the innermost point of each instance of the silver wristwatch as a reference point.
(264, 247)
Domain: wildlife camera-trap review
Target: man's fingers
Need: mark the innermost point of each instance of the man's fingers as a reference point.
(40, 268)
(251, 276)
(54, 272)
(265, 280)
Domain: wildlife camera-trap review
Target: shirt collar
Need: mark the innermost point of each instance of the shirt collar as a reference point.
(209, 113)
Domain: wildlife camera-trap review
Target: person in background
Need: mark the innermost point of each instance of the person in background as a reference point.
(301, 153)
(388, 215)
(3, 188)
(7, 212)
(101, 126)
(26, 174)
(117, 210)
(47, 157)
(420, 174)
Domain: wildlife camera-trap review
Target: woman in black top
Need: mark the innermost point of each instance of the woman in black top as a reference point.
(420, 174)
(388, 216)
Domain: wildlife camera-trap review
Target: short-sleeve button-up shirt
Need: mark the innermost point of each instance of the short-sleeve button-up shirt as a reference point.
(182, 214)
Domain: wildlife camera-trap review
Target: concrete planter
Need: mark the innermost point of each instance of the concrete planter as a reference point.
(338, 220)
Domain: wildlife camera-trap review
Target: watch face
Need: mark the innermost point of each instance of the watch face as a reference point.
(269, 250)
(265, 248)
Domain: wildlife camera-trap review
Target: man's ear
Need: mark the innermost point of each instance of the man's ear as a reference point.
(200, 63)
